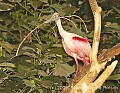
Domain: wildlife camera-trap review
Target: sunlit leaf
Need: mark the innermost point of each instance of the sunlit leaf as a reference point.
(33, 83)
(30, 54)
(114, 77)
(57, 45)
(5, 6)
(112, 25)
(47, 83)
(15, 1)
(47, 61)
(58, 9)
(9, 47)
(42, 73)
(0, 51)
(45, 1)
(7, 65)
(63, 70)
(28, 48)
(27, 83)
(46, 11)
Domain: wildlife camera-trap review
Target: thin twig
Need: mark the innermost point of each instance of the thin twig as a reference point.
(69, 20)
(90, 80)
(34, 30)
(81, 20)
(28, 36)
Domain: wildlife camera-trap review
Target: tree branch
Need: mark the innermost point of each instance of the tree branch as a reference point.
(97, 30)
(107, 54)
(85, 82)
(101, 79)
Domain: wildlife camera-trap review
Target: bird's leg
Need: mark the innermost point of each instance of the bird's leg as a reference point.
(77, 67)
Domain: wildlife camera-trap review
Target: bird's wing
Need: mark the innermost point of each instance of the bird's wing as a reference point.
(81, 44)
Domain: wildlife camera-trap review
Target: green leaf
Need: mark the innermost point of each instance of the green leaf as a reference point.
(2, 74)
(42, 73)
(46, 11)
(30, 54)
(9, 47)
(46, 61)
(5, 6)
(112, 25)
(47, 83)
(77, 31)
(68, 9)
(42, 47)
(59, 51)
(26, 27)
(112, 28)
(58, 9)
(52, 78)
(33, 83)
(63, 70)
(27, 83)
(114, 77)
(0, 51)
(3, 59)
(57, 45)
(28, 49)
(45, 1)
(36, 4)
(7, 65)
(15, 1)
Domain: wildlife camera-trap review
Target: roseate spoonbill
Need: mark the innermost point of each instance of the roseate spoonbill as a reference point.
(74, 45)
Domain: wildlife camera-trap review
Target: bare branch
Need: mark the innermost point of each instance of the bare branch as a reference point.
(107, 54)
(97, 30)
(28, 36)
(94, 6)
(86, 83)
(101, 79)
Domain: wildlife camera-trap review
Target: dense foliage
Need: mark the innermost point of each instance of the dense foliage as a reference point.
(42, 66)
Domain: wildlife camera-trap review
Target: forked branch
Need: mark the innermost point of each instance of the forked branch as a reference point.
(86, 83)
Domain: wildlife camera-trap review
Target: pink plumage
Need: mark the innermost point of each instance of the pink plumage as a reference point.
(74, 45)
(77, 47)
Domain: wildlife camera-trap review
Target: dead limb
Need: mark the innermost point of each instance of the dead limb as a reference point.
(89, 82)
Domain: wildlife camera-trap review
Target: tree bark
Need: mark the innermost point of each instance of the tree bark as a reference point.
(88, 81)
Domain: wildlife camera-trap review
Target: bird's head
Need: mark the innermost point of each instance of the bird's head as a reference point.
(54, 17)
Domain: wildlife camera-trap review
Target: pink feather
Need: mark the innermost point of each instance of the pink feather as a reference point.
(74, 45)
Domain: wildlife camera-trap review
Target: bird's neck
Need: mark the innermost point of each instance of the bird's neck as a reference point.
(60, 28)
